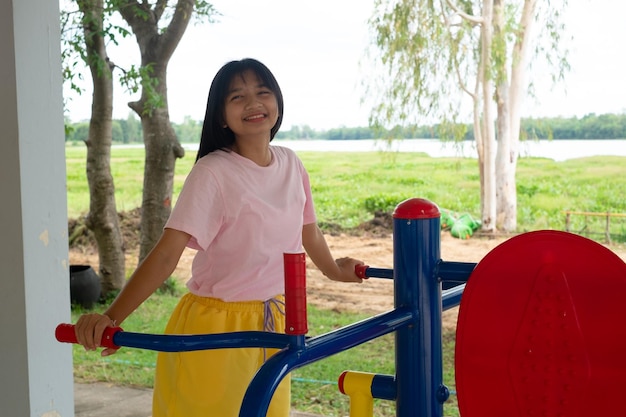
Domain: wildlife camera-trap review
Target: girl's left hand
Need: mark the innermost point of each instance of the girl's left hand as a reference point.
(347, 271)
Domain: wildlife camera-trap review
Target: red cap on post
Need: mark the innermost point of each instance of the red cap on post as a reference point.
(416, 208)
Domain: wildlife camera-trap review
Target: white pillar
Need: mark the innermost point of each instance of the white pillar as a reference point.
(35, 370)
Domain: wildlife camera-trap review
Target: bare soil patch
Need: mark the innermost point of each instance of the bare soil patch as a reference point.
(371, 242)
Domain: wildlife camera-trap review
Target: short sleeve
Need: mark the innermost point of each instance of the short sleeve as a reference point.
(309, 207)
(199, 209)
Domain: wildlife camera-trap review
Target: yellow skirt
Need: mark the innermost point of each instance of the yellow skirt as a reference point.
(213, 382)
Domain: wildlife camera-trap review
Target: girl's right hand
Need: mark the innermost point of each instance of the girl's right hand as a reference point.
(151, 273)
(89, 329)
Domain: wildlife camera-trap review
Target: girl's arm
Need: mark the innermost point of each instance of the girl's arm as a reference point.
(316, 247)
(147, 278)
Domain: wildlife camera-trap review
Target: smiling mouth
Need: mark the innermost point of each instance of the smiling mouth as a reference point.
(254, 117)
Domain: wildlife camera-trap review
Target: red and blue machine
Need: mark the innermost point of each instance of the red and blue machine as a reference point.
(541, 328)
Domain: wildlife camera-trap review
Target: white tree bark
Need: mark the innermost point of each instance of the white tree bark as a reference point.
(506, 155)
(488, 215)
(508, 136)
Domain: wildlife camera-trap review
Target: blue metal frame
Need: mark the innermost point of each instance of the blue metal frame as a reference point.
(418, 275)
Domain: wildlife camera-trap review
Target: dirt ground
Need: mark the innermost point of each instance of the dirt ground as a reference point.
(373, 244)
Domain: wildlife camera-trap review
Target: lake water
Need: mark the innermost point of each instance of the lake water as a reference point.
(559, 150)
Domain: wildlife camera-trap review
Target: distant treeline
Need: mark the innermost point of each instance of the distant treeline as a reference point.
(591, 126)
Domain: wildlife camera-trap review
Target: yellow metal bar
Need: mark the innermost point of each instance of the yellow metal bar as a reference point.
(358, 386)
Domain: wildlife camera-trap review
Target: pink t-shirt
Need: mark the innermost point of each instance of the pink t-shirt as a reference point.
(242, 218)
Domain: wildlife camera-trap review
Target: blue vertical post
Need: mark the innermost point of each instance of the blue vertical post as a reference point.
(419, 369)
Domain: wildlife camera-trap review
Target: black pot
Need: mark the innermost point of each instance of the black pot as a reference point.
(85, 285)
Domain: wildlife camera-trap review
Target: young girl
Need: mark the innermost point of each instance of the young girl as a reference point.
(243, 205)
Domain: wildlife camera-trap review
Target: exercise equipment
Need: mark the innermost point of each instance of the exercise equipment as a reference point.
(540, 329)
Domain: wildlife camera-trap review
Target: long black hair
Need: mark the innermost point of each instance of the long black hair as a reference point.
(214, 135)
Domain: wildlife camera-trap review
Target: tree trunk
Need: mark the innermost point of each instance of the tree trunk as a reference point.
(480, 148)
(506, 156)
(162, 147)
(102, 218)
(488, 136)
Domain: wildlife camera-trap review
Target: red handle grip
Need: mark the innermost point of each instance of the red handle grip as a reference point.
(65, 333)
(359, 270)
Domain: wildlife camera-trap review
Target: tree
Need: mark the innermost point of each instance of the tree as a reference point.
(79, 132)
(189, 130)
(432, 53)
(102, 218)
(156, 46)
(158, 32)
(131, 129)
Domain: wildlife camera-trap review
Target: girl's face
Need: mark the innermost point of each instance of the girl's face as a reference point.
(251, 108)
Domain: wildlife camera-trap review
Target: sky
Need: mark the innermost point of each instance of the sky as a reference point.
(316, 51)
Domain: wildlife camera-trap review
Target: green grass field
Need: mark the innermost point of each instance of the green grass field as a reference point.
(347, 188)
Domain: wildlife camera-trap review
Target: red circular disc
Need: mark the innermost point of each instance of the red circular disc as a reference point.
(542, 330)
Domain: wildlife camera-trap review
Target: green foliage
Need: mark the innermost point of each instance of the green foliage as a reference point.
(591, 126)
(142, 77)
(132, 132)
(588, 127)
(109, 297)
(383, 202)
(349, 187)
(78, 133)
(74, 36)
(359, 183)
(427, 57)
(205, 12)
(415, 62)
(76, 16)
(171, 286)
(189, 131)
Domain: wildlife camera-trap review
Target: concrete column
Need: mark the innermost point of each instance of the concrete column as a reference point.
(35, 370)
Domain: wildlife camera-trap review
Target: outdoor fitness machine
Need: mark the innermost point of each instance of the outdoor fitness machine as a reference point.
(540, 330)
